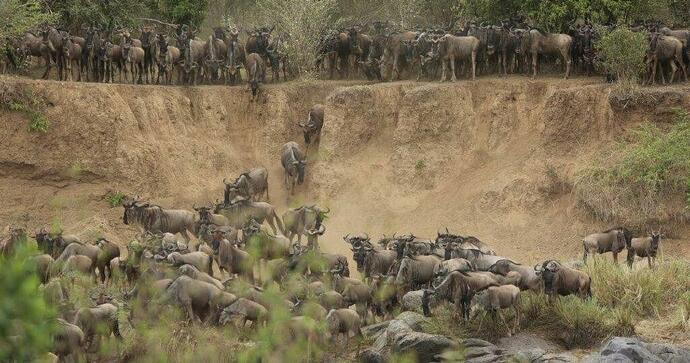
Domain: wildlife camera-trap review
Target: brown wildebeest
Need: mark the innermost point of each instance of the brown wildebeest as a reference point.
(256, 68)
(550, 44)
(450, 48)
(665, 49)
(72, 51)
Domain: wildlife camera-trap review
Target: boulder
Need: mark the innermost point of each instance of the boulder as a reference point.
(426, 347)
(633, 350)
(370, 356)
(411, 319)
(481, 351)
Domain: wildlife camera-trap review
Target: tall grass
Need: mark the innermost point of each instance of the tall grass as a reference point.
(645, 179)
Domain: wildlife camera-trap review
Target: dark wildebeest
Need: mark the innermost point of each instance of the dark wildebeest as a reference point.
(312, 128)
(33, 45)
(258, 41)
(252, 184)
(489, 42)
(235, 59)
(298, 220)
(277, 56)
(216, 54)
(562, 280)
(644, 247)
(450, 49)
(89, 60)
(256, 68)
(294, 162)
(665, 49)
(394, 52)
(148, 44)
(54, 40)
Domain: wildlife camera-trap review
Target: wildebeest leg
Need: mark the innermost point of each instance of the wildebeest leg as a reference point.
(49, 64)
(452, 69)
(516, 324)
(568, 62)
(631, 258)
(474, 65)
(674, 69)
(649, 261)
(535, 59)
(615, 257)
(443, 71)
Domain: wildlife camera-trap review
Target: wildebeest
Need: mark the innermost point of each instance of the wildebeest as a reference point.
(256, 72)
(294, 162)
(394, 52)
(252, 184)
(297, 220)
(148, 44)
(665, 49)
(312, 128)
(459, 288)
(416, 272)
(541, 43)
(167, 57)
(529, 280)
(644, 247)
(54, 40)
(155, 219)
(563, 280)
(33, 45)
(371, 261)
(235, 59)
(496, 298)
(612, 240)
(193, 58)
(243, 211)
(133, 58)
(72, 52)
(450, 48)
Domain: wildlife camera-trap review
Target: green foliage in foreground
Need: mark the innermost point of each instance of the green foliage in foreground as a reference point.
(115, 199)
(26, 321)
(643, 178)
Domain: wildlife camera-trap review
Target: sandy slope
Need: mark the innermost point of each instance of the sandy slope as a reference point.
(395, 157)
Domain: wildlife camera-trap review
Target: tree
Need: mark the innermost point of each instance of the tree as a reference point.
(19, 16)
(190, 12)
(26, 322)
(304, 21)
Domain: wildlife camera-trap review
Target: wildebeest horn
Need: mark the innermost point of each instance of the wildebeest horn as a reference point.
(300, 124)
(328, 210)
(321, 230)
(345, 238)
(367, 236)
(194, 207)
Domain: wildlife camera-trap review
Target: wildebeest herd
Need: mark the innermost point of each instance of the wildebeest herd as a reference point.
(377, 52)
(243, 238)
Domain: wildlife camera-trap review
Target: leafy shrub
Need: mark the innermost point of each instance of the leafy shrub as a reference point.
(26, 322)
(638, 181)
(115, 199)
(305, 21)
(622, 53)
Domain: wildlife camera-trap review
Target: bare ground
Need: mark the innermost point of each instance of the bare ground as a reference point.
(494, 158)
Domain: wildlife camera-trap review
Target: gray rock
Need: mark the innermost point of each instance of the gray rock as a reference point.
(374, 330)
(424, 346)
(540, 356)
(669, 353)
(370, 356)
(632, 350)
(412, 319)
(481, 351)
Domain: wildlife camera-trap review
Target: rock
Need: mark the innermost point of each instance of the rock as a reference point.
(412, 319)
(540, 356)
(624, 350)
(424, 346)
(374, 330)
(412, 301)
(370, 356)
(481, 351)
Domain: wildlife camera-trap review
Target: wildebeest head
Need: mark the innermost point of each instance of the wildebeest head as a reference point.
(361, 246)
(126, 54)
(656, 238)
(501, 267)
(147, 36)
(205, 215)
(547, 271)
(352, 34)
(300, 166)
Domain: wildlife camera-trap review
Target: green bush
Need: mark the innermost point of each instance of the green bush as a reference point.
(115, 199)
(641, 180)
(26, 322)
(622, 53)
